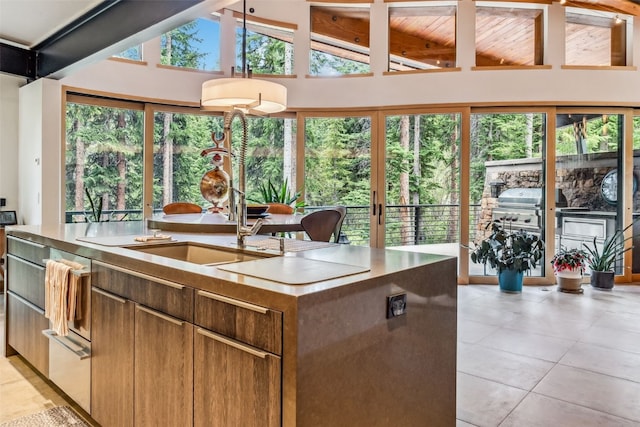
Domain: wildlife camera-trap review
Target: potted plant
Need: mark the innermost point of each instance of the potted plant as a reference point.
(568, 267)
(280, 200)
(510, 252)
(602, 260)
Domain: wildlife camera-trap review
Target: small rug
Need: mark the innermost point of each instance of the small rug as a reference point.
(60, 416)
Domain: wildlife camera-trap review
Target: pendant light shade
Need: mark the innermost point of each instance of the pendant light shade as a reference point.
(250, 95)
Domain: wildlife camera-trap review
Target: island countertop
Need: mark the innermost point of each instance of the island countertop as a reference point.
(111, 242)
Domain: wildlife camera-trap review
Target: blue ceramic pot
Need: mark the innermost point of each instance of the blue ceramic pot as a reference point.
(510, 280)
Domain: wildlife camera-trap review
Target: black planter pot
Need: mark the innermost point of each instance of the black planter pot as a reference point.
(602, 280)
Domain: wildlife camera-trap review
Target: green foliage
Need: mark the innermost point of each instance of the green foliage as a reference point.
(95, 213)
(265, 55)
(272, 194)
(505, 249)
(569, 259)
(178, 47)
(612, 250)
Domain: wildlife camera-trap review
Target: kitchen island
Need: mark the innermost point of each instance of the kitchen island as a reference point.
(328, 336)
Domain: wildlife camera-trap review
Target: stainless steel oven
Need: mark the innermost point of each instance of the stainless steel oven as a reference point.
(70, 355)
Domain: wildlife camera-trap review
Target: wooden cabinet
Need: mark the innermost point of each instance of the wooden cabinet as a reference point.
(112, 361)
(237, 364)
(163, 369)
(25, 323)
(235, 384)
(25, 303)
(142, 367)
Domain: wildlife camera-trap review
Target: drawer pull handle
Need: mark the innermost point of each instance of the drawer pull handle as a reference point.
(234, 344)
(15, 258)
(27, 303)
(27, 242)
(141, 275)
(78, 350)
(235, 302)
(160, 315)
(109, 295)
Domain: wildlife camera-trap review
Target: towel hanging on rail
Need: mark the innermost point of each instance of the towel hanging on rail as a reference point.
(61, 293)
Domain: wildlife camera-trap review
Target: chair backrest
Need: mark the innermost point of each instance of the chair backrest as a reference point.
(181, 207)
(320, 225)
(342, 210)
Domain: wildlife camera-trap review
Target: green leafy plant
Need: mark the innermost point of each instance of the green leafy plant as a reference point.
(505, 249)
(95, 215)
(569, 259)
(272, 194)
(612, 250)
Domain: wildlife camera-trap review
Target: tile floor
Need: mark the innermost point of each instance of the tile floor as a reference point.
(540, 358)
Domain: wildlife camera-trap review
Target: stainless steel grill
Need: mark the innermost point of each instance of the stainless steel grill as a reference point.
(520, 207)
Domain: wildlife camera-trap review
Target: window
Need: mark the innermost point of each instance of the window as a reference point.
(269, 49)
(103, 166)
(338, 170)
(339, 41)
(508, 36)
(194, 45)
(597, 40)
(134, 53)
(506, 155)
(178, 167)
(422, 37)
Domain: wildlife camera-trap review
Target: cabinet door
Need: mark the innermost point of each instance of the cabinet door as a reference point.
(112, 320)
(25, 323)
(234, 384)
(163, 369)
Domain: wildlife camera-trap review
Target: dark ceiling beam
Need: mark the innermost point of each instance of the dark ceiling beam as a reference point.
(105, 25)
(17, 61)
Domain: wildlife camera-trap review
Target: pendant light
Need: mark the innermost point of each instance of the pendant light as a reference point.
(252, 96)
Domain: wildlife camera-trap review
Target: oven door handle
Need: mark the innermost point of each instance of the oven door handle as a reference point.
(80, 351)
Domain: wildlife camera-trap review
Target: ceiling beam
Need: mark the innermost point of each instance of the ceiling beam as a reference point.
(103, 26)
(17, 61)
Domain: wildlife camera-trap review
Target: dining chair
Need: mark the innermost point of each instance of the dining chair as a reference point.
(320, 225)
(342, 210)
(181, 207)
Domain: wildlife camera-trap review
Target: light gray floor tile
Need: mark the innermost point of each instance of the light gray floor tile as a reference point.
(485, 403)
(528, 344)
(603, 393)
(506, 368)
(540, 411)
(613, 338)
(621, 320)
(460, 423)
(550, 325)
(604, 360)
(470, 331)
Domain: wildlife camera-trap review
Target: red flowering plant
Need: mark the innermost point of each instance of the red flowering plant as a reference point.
(569, 259)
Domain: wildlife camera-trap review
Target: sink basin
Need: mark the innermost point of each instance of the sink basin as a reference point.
(198, 253)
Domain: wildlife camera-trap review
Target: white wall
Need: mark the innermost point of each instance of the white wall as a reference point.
(40, 153)
(9, 139)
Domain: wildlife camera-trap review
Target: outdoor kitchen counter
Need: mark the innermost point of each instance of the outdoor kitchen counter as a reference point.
(337, 339)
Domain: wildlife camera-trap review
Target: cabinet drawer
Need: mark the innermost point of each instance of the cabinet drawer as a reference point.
(30, 251)
(252, 324)
(25, 325)
(165, 296)
(26, 279)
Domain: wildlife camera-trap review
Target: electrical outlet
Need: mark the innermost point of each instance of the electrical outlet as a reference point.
(3, 202)
(396, 305)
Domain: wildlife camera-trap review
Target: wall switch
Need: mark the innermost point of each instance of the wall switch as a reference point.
(3, 202)
(396, 305)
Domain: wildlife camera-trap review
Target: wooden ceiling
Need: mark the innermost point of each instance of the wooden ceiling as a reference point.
(504, 35)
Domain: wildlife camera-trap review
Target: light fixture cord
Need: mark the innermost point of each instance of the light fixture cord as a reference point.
(244, 39)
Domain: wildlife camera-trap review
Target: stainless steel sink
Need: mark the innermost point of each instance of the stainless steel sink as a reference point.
(199, 253)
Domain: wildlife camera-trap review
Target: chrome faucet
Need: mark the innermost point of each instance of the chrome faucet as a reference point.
(238, 206)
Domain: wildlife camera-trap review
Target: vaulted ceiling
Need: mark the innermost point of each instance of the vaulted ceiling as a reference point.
(62, 32)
